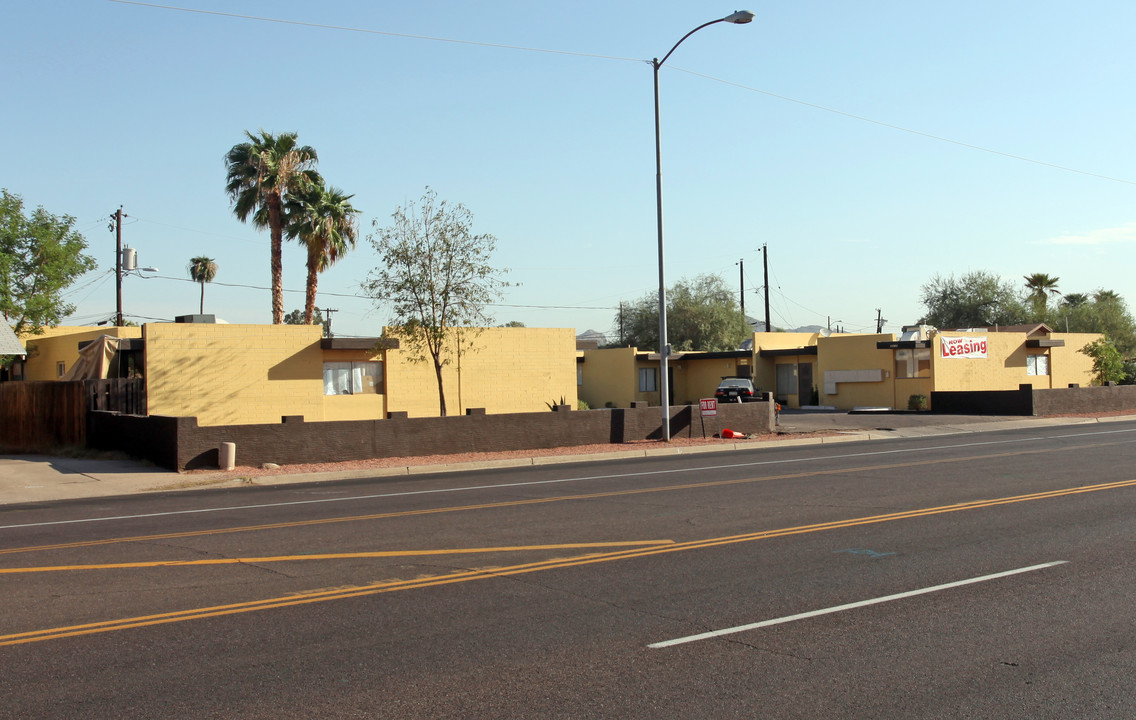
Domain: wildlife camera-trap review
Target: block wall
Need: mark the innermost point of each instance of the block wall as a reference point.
(609, 377)
(234, 374)
(180, 443)
(505, 370)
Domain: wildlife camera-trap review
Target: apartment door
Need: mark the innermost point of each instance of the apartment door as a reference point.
(804, 383)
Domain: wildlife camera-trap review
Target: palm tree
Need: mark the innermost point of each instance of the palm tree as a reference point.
(261, 174)
(1040, 287)
(202, 270)
(1106, 296)
(1076, 299)
(323, 220)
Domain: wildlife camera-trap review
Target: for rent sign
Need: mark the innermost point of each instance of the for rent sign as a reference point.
(964, 347)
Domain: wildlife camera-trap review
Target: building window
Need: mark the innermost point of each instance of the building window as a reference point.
(579, 375)
(648, 380)
(786, 379)
(60, 369)
(913, 363)
(352, 378)
(1037, 364)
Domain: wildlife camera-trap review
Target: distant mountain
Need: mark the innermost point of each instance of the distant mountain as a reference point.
(759, 326)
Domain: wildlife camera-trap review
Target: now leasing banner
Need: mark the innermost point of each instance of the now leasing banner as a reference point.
(963, 347)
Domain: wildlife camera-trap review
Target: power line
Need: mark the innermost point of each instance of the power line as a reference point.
(900, 128)
(345, 28)
(742, 86)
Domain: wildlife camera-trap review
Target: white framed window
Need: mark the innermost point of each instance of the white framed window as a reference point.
(913, 363)
(1037, 364)
(60, 369)
(648, 379)
(352, 378)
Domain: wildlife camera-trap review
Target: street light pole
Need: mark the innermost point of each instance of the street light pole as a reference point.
(740, 17)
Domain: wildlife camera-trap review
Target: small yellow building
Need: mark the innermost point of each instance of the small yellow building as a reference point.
(244, 374)
(885, 371)
(848, 371)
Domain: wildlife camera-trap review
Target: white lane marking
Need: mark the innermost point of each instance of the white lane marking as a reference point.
(584, 478)
(849, 606)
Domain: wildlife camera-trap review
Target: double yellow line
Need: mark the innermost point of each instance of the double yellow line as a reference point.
(529, 501)
(578, 561)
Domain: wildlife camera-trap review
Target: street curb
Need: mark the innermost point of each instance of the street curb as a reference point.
(77, 482)
(843, 436)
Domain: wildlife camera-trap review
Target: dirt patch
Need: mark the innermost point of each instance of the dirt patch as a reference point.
(419, 460)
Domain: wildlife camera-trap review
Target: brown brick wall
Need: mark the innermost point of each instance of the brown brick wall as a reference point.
(179, 443)
(1086, 399)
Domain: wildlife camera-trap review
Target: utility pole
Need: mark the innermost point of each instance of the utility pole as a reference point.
(742, 285)
(765, 262)
(116, 225)
(327, 315)
(623, 328)
(879, 321)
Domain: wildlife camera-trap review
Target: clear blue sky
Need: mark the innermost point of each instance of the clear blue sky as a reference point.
(767, 138)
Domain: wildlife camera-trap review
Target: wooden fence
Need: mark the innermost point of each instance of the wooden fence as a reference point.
(121, 396)
(39, 416)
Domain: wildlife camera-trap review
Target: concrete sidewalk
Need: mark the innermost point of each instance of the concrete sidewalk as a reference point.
(39, 478)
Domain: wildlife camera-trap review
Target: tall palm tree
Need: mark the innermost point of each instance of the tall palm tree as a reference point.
(202, 270)
(1040, 287)
(261, 174)
(323, 220)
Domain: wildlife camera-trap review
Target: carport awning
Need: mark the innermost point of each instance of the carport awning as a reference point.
(789, 352)
(902, 344)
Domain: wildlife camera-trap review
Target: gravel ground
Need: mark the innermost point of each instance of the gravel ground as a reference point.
(255, 472)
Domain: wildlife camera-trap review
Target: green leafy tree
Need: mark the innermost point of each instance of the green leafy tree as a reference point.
(702, 314)
(41, 255)
(513, 324)
(296, 317)
(436, 276)
(261, 174)
(323, 220)
(1102, 311)
(1108, 362)
(976, 299)
(202, 270)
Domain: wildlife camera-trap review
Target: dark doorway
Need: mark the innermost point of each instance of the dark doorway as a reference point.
(805, 384)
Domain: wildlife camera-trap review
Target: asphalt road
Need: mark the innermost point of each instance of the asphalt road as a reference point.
(978, 576)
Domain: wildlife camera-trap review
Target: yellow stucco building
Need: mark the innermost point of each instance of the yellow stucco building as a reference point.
(243, 374)
(848, 371)
(617, 377)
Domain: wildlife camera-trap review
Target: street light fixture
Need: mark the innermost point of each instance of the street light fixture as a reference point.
(740, 17)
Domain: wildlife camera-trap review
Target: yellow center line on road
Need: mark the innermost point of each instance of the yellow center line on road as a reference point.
(332, 556)
(531, 501)
(466, 576)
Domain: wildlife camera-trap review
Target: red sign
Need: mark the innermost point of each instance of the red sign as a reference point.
(963, 347)
(708, 406)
